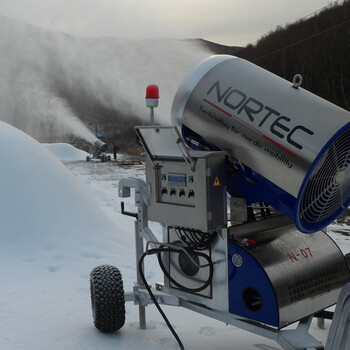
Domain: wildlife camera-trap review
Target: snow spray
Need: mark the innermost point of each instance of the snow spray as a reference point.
(41, 70)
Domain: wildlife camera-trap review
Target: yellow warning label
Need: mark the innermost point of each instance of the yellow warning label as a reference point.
(217, 182)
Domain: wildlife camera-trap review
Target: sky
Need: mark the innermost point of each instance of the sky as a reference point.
(228, 22)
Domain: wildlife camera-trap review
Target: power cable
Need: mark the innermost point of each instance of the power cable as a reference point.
(322, 8)
(194, 240)
(299, 19)
(301, 41)
(148, 288)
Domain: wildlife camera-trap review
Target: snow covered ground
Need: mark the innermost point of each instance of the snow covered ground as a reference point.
(58, 221)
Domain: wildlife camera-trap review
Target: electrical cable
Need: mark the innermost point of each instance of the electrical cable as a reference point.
(190, 238)
(177, 284)
(301, 41)
(170, 248)
(177, 247)
(319, 10)
(299, 19)
(148, 288)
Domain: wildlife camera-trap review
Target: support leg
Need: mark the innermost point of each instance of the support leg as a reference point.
(139, 252)
(142, 316)
(320, 322)
(141, 228)
(339, 334)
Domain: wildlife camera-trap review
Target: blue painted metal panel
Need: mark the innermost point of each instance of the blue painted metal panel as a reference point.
(299, 221)
(250, 275)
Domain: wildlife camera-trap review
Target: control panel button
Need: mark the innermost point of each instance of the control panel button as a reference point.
(164, 190)
(190, 193)
(190, 179)
(172, 192)
(163, 177)
(182, 192)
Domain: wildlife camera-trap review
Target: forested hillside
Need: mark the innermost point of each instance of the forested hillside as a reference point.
(317, 47)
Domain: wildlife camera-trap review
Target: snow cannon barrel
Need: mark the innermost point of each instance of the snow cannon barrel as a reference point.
(100, 145)
(291, 147)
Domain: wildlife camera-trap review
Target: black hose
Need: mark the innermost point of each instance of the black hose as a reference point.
(180, 286)
(195, 239)
(158, 251)
(150, 252)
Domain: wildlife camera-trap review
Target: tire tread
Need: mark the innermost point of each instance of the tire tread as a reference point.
(107, 298)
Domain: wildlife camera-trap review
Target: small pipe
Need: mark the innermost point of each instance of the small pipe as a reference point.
(152, 115)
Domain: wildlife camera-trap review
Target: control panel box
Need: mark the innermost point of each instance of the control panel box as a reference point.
(181, 196)
(185, 188)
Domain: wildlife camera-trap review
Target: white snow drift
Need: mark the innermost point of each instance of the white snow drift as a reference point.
(66, 152)
(52, 234)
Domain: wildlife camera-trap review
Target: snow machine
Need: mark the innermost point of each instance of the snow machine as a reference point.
(98, 149)
(244, 185)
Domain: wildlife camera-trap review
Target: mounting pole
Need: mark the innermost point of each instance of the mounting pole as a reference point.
(152, 115)
(152, 99)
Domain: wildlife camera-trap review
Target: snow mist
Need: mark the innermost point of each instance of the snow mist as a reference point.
(40, 70)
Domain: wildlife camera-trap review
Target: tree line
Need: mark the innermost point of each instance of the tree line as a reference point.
(317, 47)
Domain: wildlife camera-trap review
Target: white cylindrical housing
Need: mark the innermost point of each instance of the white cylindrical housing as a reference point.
(296, 140)
(100, 145)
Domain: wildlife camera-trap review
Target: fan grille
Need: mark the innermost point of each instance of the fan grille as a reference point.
(328, 188)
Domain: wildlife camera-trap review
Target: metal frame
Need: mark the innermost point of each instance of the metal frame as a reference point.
(289, 339)
(179, 142)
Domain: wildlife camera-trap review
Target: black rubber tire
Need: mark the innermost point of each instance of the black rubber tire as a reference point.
(107, 298)
(109, 158)
(87, 158)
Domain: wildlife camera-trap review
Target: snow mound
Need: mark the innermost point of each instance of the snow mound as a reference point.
(43, 204)
(52, 234)
(66, 152)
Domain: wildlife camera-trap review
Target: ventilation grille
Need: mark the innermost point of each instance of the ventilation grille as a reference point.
(328, 188)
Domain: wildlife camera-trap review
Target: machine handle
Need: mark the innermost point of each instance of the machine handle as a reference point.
(134, 215)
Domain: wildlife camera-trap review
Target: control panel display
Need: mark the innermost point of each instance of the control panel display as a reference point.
(184, 196)
(177, 179)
